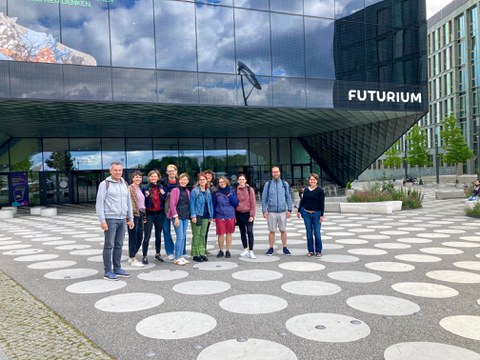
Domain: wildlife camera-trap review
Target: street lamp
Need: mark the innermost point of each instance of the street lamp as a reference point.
(243, 70)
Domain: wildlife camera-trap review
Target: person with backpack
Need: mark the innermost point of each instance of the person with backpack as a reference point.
(277, 208)
(114, 211)
(224, 204)
(311, 208)
(201, 214)
(245, 214)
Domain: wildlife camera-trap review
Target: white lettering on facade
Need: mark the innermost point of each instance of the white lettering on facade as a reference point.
(384, 96)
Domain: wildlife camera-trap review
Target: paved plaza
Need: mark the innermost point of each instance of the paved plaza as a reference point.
(396, 287)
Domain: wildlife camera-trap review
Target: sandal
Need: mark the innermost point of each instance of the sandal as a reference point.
(319, 255)
(309, 254)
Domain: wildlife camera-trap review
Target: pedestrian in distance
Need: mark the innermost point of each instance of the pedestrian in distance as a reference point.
(114, 211)
(154, 203)
(311, 209)
(170, 183)
(179, 212)
(224, 203)
(201, 213)
(245, 215)
(277, 208)
(135, 235)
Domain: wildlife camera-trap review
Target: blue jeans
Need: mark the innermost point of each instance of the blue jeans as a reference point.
(167, 237)
(312, 225)
(114, 237)
(181, 232)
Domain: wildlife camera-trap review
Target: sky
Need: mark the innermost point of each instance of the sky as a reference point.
(435, 5)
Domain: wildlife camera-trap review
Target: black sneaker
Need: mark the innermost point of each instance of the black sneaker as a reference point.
(269, 252)
(145, 260)
(197, 258)
(204, 258)
(158, 258)
(286, 251)
(220, 254)
(227, 254)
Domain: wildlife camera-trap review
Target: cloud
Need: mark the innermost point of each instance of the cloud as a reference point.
(433, 6)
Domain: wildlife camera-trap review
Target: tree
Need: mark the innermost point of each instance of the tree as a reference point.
(417, 154)
(456, 150)
(392, 156)
(60, 161)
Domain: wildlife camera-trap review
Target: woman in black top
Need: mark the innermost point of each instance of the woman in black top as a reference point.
(311, 208)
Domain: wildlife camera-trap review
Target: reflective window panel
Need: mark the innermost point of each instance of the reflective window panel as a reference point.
(177, 87)
(134, 85)
(87, 83)
(319, 51)
(252, 4)
(56, 156)
(287, 6)
(86, 154)
(139, 152)
(320, 8)
(175, 35)
(26, 154)
(48, 82)
(113, 150)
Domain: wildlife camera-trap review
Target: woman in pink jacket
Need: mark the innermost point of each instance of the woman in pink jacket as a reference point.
(245, 214)
(179, 211)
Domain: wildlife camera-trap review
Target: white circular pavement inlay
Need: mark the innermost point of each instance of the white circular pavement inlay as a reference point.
(420, 258)
(253, 304)
(202, 287)
(99, 258)
(324, 327)
(383, 305)
(367, 252)
(428, 351)
(466, 326)
(23, 252)
(37, 257)
(87, 252)
(354, 276)
(257, 275)
(129, 302)
(390, 266)
(425, 290)
(48, 265)
(352, 241)
(461, 244)
(393, 246)
(470, 238)
(311, 288)
(58, 242)
(468, 265)
(68, 274)
(455, 276)
(216, 265)
(441, 251)
(73, 247)
(176, 325)
(333, 258)
(433, 235)
(95, 286)
(301, 266)
(251, 349)
(163, 275)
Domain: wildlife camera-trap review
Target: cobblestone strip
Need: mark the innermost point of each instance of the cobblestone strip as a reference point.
(30, 330)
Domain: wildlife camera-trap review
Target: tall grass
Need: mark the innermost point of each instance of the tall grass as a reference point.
(373, 192)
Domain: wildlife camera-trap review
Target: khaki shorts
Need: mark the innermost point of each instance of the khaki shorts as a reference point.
(275, 220)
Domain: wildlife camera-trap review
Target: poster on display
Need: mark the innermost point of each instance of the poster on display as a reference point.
(19, 188)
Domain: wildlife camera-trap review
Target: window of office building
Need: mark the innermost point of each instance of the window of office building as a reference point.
(190, 159)
(4, 158)
(86, 153)
(26, 155)
(165, 151)
(113, 150)
(215, 152)
(139, 152)
(460, 27)
(237, 151)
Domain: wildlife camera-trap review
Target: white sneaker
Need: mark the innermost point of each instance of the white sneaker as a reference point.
(185, 261)
(171, 257)
(179, 262)
(137, 263)
(186, 256)
(244, 253)
(252, 255)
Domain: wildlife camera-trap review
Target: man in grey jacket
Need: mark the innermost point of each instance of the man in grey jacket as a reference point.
(277, 208)
(114, 210)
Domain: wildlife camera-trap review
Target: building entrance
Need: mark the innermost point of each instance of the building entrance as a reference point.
(55, 188)
(85, 185)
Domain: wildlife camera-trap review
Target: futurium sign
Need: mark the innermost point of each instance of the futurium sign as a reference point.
(384, 96)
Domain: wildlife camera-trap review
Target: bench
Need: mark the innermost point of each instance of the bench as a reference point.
(383, 207)
(450, 194)
(37, 210)
(6, 214)
(48, 212)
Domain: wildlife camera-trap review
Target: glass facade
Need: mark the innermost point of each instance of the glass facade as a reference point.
(149, 83)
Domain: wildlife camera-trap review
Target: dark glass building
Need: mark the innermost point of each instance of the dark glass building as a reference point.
(84, 83)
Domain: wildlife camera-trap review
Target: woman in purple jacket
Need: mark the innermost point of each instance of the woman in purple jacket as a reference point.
(224, 204)
(179, 211)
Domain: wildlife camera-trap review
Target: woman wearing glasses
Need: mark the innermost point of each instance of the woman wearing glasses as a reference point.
(201, 213)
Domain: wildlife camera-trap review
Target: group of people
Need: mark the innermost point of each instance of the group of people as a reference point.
(122, 206)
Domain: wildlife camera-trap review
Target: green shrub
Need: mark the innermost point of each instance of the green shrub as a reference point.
(372, 192)
(348, 186)
(475, 211)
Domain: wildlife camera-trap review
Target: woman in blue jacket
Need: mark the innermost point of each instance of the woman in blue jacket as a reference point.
(224, 203)
(201, 213)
